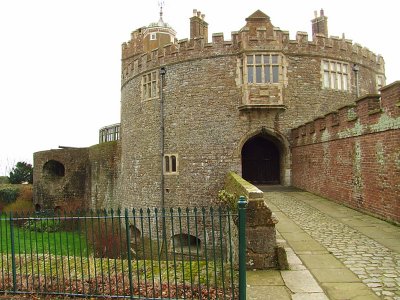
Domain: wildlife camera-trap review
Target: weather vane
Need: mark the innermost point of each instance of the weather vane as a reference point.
(161, 4)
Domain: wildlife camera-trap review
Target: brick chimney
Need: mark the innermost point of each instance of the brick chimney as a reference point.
(198, 27)
(320, 23)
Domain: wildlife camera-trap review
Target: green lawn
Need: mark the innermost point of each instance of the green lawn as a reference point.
(32, 241)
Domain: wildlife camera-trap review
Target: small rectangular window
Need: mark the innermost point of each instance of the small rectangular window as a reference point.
(250, 74)
(339, 80)
(345, 80)
(241, 71)
(170, 164)
(275, 74)
(326, 79)
(267, 74)
(258, 74)
(380, 82)
(173, 163)
(167, 170)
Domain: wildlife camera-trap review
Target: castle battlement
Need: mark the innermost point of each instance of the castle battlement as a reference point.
(250, 38)
(370, 113)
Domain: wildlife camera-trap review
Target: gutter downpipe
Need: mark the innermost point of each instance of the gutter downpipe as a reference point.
(162, 75)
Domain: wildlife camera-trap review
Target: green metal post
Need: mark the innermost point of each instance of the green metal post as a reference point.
(14, 271)
(242, 247)
(128, 245)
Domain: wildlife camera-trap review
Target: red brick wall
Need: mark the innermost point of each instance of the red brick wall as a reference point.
(352, 156)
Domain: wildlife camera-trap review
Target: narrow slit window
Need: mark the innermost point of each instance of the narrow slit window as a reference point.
(173, 163)
(167, 170)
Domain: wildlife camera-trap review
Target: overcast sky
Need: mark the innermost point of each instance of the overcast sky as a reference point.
(60, 59)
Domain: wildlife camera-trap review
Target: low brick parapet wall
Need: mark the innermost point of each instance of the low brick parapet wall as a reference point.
(260, 224)
(352, 155)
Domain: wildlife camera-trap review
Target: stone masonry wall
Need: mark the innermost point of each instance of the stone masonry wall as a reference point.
(261, 247)
(88, 180)
(60, 178)
(104, 166)
(352, 156)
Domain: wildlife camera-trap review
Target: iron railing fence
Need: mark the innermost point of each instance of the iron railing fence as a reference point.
(147, 254)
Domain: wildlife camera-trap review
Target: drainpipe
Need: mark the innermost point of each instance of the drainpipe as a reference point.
(163, 71)
(356, 68)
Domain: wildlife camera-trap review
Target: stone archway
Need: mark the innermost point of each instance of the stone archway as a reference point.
(261, 160)
(277, 156)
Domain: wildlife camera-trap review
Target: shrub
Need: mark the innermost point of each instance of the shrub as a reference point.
(70, 206)
(106, 239)
(4, 180)
(2, 205)
(44, 225)
(226, 199)
(26, 192)
(20, 206)
(8, 193)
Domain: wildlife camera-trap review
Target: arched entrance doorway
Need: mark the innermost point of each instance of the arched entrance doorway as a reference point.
(261, 161)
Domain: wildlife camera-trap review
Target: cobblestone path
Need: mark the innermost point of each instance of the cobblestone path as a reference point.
(377, 266)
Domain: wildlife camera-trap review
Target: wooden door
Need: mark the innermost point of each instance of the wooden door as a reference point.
(260, 161)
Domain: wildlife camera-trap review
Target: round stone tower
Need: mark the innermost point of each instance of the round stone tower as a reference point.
(191, 111)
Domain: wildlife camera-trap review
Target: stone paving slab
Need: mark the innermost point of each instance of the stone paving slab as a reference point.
(309, 296)
(321, 261)
(301, 282)
(264, 278)
(296, 236)
(349, 291)
(334, 275)
(307, 245)
(268, 293)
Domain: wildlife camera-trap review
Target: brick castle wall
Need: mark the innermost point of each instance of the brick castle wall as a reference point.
(353, 155)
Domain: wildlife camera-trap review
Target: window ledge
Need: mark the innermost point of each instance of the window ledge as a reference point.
(246, 107)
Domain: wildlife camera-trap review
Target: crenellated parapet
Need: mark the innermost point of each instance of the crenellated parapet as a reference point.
(369, 114)
(134, 46)
(251, 38)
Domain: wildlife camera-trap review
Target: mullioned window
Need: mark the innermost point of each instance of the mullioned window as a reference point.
(263, 68)
(150, 85)
(335, 75)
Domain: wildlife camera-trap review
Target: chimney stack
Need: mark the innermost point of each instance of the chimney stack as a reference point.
(320, 24)
(198, 27)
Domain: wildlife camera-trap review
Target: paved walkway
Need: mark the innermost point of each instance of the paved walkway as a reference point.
(334, 252)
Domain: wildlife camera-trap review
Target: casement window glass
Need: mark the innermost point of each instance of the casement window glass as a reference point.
(170, 164)
(149, 85)
(335, 75)
(263, 68)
